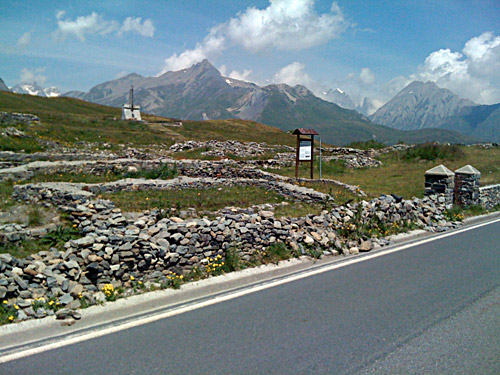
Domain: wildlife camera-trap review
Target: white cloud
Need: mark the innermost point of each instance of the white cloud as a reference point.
(211, 46)
(95, 23)
(121, 74)
(473, 74)
(367, 77)
(241, 76)
(24, 40)
(132, 24)
(283, 25)
(29, 76)
(294, 74)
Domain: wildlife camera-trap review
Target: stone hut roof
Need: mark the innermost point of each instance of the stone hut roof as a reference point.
(468, 169)
(440, 170)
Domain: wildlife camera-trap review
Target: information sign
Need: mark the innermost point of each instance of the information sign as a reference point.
(305, 150)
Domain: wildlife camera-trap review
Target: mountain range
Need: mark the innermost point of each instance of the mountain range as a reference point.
(33, 88)
(201, 92)
(424, 105)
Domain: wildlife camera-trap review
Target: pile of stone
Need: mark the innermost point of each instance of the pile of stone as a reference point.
(13, 132)
(15, 118)
(13, 232)
(355, 161)
(224, 148)
(353, 158)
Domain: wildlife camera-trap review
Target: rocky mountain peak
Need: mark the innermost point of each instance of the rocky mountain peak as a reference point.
(33, 88)
(339, 97)
(420, 105)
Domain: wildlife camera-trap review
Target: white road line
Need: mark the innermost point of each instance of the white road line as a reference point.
(227, 297)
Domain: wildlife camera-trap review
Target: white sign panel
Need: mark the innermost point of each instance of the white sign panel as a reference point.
(305, 151)
(129, 113)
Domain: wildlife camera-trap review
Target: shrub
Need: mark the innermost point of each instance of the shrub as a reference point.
(458, 213)
(34, 216)
(164, 172)
(59, 236)
(432, 151)
(232, 260)
(278, 251)
(365, 145)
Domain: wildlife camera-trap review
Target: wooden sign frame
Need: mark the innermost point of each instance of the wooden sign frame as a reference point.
(305, 137)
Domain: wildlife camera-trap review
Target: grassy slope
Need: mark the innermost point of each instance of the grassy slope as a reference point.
(406, 177)
(70, 120)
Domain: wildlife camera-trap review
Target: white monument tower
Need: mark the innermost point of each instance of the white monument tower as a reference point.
(129, 111)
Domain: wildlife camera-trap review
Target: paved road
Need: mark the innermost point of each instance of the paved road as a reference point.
(433, 309)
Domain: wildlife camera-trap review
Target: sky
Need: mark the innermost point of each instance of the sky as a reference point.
(367, 48)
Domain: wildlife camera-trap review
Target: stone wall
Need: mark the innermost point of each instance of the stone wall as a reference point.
(489, 196)
(116, 249)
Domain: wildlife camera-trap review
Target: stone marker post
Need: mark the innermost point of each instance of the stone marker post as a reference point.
(440, 180)
(467, 186)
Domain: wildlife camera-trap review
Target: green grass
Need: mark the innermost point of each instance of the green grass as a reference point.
(77, 177)
(432, 151)
(162, 172)
(198, 154)
(71, 121)
(458, 213)
(277, 252)
(14, 144)
(34, 216)
(210, 199)
(366, 145)
(235, 129)
(405, 177)
(340, 194)
(6, 190)
(298, 209)
(56, 238)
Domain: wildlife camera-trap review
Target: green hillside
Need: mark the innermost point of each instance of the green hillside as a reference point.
(71, 121)
(480, 121)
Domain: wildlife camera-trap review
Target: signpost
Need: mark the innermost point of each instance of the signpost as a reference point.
(305, 149)
(131, 111)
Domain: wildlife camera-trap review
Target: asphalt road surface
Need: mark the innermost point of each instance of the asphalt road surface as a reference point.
(429, 309)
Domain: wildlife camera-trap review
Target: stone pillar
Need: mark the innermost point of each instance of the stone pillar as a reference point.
(467, 186)
(440, 180)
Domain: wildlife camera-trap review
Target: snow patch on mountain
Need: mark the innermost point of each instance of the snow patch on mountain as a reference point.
(33, 88)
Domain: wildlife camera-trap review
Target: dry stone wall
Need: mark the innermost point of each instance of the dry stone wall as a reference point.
(115, 249)
(489, 196)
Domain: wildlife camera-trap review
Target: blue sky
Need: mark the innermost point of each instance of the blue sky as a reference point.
(367, 48)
